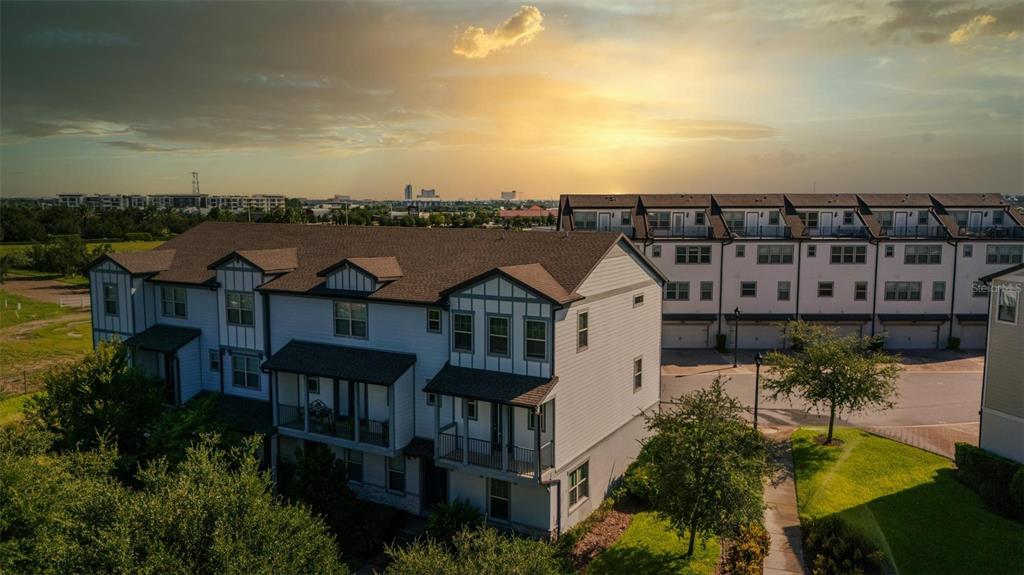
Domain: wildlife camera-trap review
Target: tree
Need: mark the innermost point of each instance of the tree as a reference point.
(474, 552)
(707, 464)
(825, 370)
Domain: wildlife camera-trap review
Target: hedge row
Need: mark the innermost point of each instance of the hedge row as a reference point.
(999, 481)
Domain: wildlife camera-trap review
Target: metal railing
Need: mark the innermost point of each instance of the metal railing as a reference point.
(914, 231)
(683, 232)
(769, 231)
(991, 231)
(290, 416)
(484, 453)
(840, 231)
(374, 432)
(449, 446)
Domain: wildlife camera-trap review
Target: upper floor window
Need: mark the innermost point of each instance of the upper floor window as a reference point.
(582, 330)
(659, 220)
(699, 219)
(884, 219)
(638, 300)
(1006, 304)
(677, 290)
(938, 291)
(470, 409)
(741, 250)
(313, 384)
(462, 332)
(860, 291)
(536, 339)
(773, 218)
(586, 220)
(748, 289)
(783, 291)
(172, 301)
(656, 251)
(812, 251)
(638, 373)
(497, 335)
(848, 218)
(350, 319)
(707, 291)
(434, 319)
(693, 254)
(903, 291)
(997, 218)
(849, 254)
(625, 219)
(928, 254)
(539, 416)
(110, 299)
(890, 251)
(825, 289)
(1004, 254)
(245, 371)
(922, 218)
(775, 254)
(968, 250)
(240, 306)
(733, 219)
(809, 219)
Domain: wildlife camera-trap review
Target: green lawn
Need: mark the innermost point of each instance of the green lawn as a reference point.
(29, 355)
(650, 546)
(907, 501)
(117, 246)
(15, 309)
(11, 407)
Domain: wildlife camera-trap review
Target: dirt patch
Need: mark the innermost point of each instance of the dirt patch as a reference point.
(21, 330)
(601, 535)
(51, 291)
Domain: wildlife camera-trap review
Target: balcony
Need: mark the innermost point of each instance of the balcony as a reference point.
(768, 231)
(1011, 232)
(840, 231)
(698, 232)
(498, 456)
(921, 231)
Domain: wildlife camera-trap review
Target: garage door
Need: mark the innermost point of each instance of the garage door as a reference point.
(684, 336)
(912, 336)
(760, 336)
(973, 336)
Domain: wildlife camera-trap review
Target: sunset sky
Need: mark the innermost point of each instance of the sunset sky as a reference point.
(471, 98)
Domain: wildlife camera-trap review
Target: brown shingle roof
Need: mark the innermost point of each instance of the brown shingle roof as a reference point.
(537, 278)
(676, 200)
(141, 262)
(431, 259)
(383, 269)
(896, 200)
(750, 200)
(822, 200)
(268, 261)
(969, 200)
(486, 385)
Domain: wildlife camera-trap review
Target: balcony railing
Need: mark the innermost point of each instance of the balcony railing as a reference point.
(701, 232)
(449, 446)
(838, 232)
(484, 453)
(914, 231)
(290, 416)
(991, 231)
(769, 231)
(374, 432)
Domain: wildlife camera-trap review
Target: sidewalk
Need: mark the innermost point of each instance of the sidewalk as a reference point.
(937, 438)
(786, 554)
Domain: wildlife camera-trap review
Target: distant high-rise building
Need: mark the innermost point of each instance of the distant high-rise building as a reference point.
(425, 193)
(408, 191)
(508, 195)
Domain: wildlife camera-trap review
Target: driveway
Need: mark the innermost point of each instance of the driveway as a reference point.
(940, 394)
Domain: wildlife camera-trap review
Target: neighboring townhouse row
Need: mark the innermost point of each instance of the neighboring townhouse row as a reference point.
(903, 265)
(511, 369)
(1002, 392)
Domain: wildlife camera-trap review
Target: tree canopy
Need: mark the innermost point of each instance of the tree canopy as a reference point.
(475, 552)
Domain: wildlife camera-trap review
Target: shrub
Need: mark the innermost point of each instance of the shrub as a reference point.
(991, 476)
(638, 481)
(748, 550)
(138, 237)
(447, 519)
(954, 343)
(476, 551)
(720, 342)
(1017, 490)
(832, 548)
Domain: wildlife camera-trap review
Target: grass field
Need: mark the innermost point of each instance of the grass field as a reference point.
(650, 546)
(16, 309)
(907, 501)
(11, 407)
(117, 246)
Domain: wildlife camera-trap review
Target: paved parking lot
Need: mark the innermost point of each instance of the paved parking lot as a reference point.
(940, 394)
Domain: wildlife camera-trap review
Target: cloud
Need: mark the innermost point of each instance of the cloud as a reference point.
(934, 22)
(971, 29)
(139, 146)
(520, 29)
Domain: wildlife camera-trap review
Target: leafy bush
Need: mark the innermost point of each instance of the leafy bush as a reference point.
(176, 429)
(748, 550)
(991, 476)
(832, 548)
(638, 482)
(1017, 489)
(448, 519)
(138, 237)
(475, 552)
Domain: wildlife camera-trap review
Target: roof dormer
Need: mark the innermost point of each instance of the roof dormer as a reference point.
(362, 274)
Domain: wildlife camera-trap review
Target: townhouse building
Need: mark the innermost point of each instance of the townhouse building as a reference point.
(1002, 395)
(906, 266)
(510, 369)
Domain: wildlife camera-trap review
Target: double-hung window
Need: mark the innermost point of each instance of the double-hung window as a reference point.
(1004, 254)
(582, 330)
(923, 254)
(848, 218)
(434, 319)
(536, 339)
(497, 335)
(396, 473)
(214, 360)
(313, 384)
(240, 306)
(783, 291)
(748, 289)
(471, 409)
(638, 373)
(579, 488)
(462, 332)
(350, 319)
(903, 291)
(741, 250)
(354, 464)
(707, 291)
(809, 219)
(245, 371)
(938, 291)
(825, 289)
(775, 254)
(1007, 302)
(997, 218)
(849, 254)
(677, 291)
(922, 218)
(693, 254)
(172, 301)
(110, 299)
(499, 494)
(860, 291)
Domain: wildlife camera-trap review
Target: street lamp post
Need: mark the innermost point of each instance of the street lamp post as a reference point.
(758, 359)
(736, 338)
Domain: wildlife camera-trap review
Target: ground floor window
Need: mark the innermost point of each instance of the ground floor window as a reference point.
(246, 371)
(498, 496)
(396, 473)
(354, 464)
(579, 486)
(214, 360)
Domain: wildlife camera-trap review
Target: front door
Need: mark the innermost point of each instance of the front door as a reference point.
(677, 224)
(899, 222)
(604, 222)
(435, 484)
(974, 223)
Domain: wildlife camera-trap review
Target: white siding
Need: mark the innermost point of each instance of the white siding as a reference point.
(122, 325)
(201, 313)
(237, 276)
(189, 370)
(350, 279)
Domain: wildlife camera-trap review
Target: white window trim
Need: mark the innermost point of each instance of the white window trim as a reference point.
(582, 312)
(996, 293)
(351, 321)
(585, 482)
(440, 320)
(526, 338)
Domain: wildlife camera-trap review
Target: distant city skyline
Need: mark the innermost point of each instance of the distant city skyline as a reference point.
(472, 98)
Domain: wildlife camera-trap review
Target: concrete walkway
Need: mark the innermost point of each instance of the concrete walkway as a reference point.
(937, 438)
(786, 554)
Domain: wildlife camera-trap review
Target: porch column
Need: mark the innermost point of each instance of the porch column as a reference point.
(465, 433)
(391, 415)
(305, 412)
(505, 445)
(355, 408)
(437, 425)
(536, 444)
(275, 390)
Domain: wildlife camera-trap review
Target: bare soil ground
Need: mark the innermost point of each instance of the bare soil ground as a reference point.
(46, 290)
